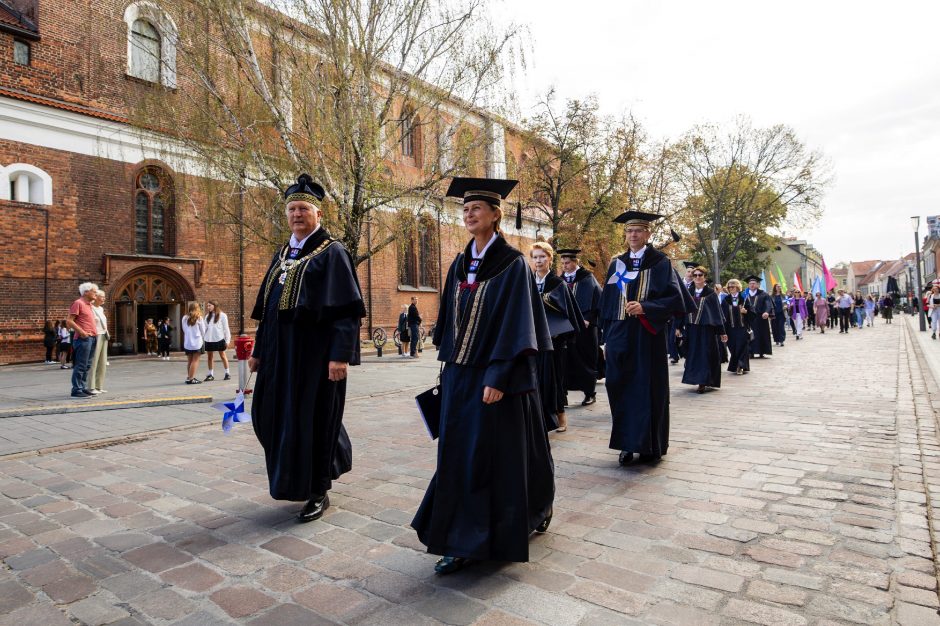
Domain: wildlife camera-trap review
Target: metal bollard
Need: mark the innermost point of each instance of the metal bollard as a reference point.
(243, 347)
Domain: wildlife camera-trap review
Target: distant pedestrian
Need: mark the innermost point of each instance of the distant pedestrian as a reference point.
(870, 307)
(797, 312)
(164, 334)
(150, 337)
(194, 331)
(414, 326)
(821, 305)
(65, 345)
(99, 360)
(810, 311)
(736, 328)
(833, 310)
(933, 310)
(404, 337)
(887, 309)
(81, 319)
(844, 304)
(218, 337)
(778, 324)
(49, 339)
(858, 309)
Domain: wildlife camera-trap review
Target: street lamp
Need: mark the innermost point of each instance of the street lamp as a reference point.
(717, 270)
(915, 223)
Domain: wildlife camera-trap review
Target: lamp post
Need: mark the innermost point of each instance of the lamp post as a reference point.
(915, 223)
(715, 267)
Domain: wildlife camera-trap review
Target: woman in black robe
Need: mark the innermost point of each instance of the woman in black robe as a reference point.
(734, 312)
(494, 483)
(704, 328)
(564, 322)
(760, 312)
(309, 310)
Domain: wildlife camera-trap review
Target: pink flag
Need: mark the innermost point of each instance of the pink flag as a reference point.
(830, 281)
(797, 282)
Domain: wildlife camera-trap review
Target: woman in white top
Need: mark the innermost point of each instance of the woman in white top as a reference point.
(218, 337)
(99, 360)
(194, 331)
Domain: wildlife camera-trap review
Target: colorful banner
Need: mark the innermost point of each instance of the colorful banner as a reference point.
(830, 281)
(763, 281)
(818, 287)
(797, 282)
(783, 281)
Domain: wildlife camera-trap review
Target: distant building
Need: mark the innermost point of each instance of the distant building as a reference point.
(794, 256)
(933, 226)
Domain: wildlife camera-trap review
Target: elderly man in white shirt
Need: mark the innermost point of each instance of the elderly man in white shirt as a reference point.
(99, 360)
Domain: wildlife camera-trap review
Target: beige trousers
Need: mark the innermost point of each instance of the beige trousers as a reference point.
(99, 363)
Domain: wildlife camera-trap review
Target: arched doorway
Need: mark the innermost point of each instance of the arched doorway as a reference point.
(152, 292)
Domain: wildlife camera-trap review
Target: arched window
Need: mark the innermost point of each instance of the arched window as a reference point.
(153, 212)
(145, 51)
(22, 182)
(417, 251)
(151, 43)
(410, 135)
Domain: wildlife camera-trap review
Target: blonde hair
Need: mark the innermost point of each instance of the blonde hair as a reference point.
(544, 247)
(193, 313)
(734, 282)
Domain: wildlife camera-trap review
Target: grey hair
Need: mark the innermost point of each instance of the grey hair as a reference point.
(84, 287)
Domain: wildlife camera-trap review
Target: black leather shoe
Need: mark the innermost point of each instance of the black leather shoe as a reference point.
(314, 509)
(625, 458)
(541, 528)
(589, 399)
(450, 564)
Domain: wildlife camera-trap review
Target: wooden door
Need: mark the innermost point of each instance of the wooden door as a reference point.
(126, 327)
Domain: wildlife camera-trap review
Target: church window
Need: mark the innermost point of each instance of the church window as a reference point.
(153, 206)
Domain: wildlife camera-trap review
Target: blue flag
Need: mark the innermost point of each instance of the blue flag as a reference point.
(763, 281)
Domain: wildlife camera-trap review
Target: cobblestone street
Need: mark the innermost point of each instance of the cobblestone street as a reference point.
(799, 494)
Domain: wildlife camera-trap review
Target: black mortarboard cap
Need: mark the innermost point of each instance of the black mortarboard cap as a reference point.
(748, 279)
(689, 264)
(491, 190)
(675, 236)
(637, 217)
(572, 252)
(304, 189)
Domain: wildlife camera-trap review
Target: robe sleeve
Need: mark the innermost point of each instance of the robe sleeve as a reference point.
(668, 298)
(444, 312)
(330, 289)
(345, 340)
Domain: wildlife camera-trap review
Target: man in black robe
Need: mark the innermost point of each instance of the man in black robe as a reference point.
(582, 373)
(641, 294)
(760, 309)
(309, 310)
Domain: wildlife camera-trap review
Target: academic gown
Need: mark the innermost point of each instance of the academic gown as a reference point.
(564, 324)
(736, 328)
(494, 482)
(778, 323)
(306, 322)
(757, 305)
(703, 353)
(637, 372)
(582, 373)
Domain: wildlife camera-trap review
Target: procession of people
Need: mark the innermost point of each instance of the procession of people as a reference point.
(513, 338)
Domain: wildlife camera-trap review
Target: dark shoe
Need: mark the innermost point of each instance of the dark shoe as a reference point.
(701, 389)
(589, 399)
(80, 394)
(227, 377)
(673, 361)
(650, 458)
(195, 381)
(450, 564)
(541, 528)
(209, 377)
(314, 509)
(625, 458)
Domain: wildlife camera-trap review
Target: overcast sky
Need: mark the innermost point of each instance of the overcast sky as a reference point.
(859, 81)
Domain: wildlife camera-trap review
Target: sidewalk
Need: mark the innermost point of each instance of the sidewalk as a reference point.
(801, 494)
(35, 388)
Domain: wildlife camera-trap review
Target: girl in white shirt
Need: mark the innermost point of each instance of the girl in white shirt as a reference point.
(218, 337)
(194, 331)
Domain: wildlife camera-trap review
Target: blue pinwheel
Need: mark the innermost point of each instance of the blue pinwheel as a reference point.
(621, 277)
(232, 412)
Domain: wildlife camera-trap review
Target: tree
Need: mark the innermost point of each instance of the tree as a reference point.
(365, 96)
(743, 184)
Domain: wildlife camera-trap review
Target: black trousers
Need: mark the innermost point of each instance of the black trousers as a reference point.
(164, 347)
(844, 315)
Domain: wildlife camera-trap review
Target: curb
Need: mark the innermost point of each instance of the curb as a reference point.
(85, 407)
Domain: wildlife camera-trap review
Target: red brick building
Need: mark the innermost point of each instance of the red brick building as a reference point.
(81, 201)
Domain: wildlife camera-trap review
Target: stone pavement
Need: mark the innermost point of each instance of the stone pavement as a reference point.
(134, 379)
(802, 493)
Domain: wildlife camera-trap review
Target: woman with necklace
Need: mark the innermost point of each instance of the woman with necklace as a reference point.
(734, 313)
(494, 483)
(564, 322)
(704, 327)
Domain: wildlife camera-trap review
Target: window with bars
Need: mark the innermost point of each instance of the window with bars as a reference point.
(153, 206)
(417, 253)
